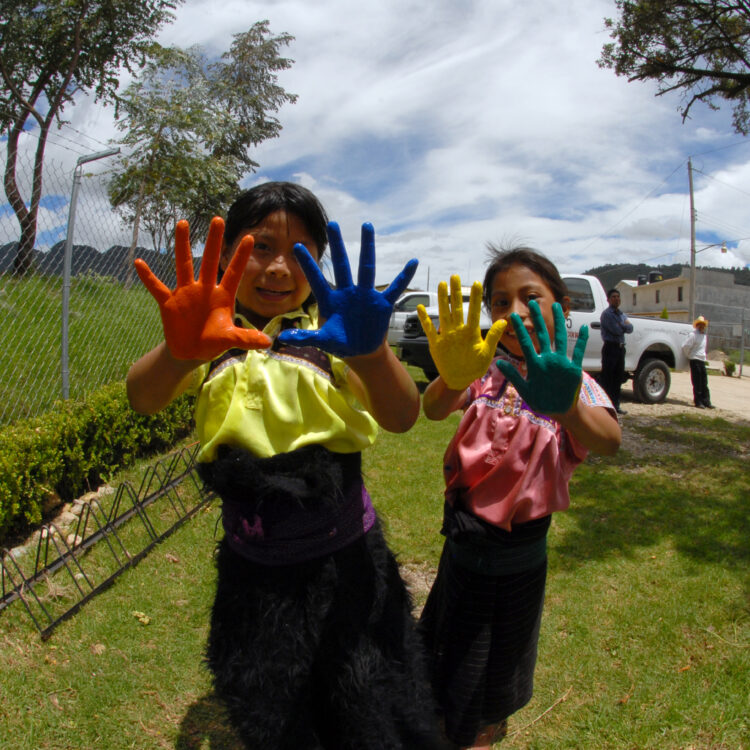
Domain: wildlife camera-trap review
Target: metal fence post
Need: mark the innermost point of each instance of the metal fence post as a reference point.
(67, 263)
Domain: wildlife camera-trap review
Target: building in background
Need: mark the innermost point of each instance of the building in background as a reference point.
(718, 298)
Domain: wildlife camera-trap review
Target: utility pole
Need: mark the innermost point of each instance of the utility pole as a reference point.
(691, 313)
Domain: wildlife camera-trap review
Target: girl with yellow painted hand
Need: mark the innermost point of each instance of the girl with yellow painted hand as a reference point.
(460, 353)
(529, 419)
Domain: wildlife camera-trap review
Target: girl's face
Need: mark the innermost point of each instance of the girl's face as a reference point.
(512, 289)
(273, 282)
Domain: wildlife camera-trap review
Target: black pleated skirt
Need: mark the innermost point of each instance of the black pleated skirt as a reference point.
(481, 631)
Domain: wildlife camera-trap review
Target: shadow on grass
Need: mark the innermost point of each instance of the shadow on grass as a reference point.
(205, 726)
(696, 494)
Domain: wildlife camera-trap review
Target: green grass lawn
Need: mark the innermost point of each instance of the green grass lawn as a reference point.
(109, 328)
(645, 640)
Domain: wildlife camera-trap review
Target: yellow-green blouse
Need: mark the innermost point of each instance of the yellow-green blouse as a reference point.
(277, 400)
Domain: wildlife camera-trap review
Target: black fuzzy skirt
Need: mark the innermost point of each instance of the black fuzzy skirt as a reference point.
(322, 653)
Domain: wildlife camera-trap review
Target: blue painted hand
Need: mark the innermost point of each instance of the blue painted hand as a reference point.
(356, 316)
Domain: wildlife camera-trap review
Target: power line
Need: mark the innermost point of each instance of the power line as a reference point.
(637, 206)
(723, 148)
(721, 182)
(55, 138)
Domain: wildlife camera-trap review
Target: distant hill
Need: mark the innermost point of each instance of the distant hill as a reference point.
(613, 273)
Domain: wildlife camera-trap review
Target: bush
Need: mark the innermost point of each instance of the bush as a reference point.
(729, 367)
(57, 457)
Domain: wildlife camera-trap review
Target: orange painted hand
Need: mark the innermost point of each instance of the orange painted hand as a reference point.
(198, 316)
(460, 353)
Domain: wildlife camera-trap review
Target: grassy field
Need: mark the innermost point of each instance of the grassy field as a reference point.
(109, 328)
(645, 640)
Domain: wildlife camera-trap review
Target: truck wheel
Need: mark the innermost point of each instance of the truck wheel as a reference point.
(651, 382)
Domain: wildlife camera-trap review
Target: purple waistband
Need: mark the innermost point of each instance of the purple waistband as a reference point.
(291, 507)
(299, 536)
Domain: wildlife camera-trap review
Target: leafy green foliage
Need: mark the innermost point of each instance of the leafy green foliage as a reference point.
(697, 47)
(189, 124)
(75, 448)
(49, 53)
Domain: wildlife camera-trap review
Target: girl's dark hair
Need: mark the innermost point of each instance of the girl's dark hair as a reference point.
(253, 205)
(500, 259)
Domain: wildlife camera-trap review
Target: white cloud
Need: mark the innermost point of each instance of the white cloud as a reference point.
(450, 123)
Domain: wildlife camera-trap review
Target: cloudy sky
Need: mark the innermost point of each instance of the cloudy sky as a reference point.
(451, 123)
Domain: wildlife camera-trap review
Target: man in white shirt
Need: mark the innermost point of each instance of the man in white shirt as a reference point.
(695, 350)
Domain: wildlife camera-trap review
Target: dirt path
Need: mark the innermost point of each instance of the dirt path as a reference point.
(730, 396)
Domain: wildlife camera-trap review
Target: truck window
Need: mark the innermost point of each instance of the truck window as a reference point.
(581, 298)
(411, 302)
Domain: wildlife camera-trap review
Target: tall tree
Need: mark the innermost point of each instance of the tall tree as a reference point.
(50, 52)
(698, 47)
(189, 124)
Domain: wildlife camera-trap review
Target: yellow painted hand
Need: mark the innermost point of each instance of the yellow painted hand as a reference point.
(460, 353)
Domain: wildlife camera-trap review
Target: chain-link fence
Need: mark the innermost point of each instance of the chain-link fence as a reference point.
(65, 334)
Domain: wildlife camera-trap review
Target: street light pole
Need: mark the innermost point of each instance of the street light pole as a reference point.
(67, 263)
(691, 309)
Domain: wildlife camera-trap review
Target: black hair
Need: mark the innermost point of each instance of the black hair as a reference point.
(501, 259)
(612, 291)
(253, 205)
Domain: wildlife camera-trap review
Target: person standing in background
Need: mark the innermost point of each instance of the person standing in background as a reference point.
(614, 327)
(695, 350)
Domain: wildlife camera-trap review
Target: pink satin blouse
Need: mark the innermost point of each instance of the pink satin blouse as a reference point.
(508, 463)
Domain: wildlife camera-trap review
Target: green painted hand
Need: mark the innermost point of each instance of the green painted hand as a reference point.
(553, 381)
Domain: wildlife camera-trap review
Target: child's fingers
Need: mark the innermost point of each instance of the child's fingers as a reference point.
(157, 289)
(444, 312)
(341, 270)
(580, 347)
(475, 306)
(427, 325)
(512, 374)
(540, 326)
(319, 338)
(561, 331)
(398, 285)
(182, 255)
(366, 272)
(494, 335)
(249, 339)
(527, 345)
(212, 252)
(313, 274)
(457, 303)
(233, 273)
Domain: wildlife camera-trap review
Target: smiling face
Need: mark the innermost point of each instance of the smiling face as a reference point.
(273, 282)
(511, 291)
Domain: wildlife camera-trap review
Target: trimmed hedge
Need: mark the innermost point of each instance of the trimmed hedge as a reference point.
(75, 448)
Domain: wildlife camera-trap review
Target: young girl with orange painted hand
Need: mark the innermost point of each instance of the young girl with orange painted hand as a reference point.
(312, 642)
(530, 417)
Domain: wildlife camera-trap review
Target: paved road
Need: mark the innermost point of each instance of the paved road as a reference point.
(731, 396)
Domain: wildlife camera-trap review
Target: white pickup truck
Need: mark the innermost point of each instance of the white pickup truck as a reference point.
(404, 306)
(651, 351)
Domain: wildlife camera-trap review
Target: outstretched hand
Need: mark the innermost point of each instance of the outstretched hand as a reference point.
(356, 317)
(553, 381)
(198, 316)
(459, 352)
